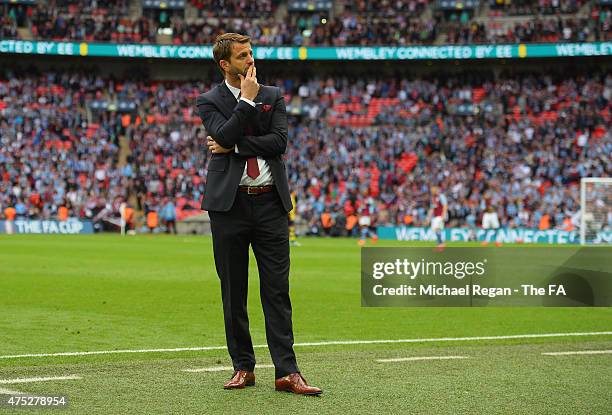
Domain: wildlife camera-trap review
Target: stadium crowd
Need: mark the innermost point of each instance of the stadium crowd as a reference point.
(518, 144)
(531, 31)
(92, 20)
(361, 23)
(531, 7)
(59, 155)
(521, 144)
(539, 29)
(230, 8)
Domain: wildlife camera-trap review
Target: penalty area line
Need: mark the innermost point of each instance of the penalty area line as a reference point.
(316, 344)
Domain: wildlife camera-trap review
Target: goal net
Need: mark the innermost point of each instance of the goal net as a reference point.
(595, 208)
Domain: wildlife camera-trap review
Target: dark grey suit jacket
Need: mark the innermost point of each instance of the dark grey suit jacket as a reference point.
(225, 121)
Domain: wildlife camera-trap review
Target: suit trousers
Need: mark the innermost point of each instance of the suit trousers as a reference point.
(259, 221)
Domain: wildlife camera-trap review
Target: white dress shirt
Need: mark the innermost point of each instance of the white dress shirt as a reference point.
(265, 175)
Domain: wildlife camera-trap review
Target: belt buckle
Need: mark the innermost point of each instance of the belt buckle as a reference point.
(251, 192)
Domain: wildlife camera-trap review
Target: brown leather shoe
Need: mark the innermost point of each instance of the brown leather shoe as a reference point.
(241, 379)
(295, 383)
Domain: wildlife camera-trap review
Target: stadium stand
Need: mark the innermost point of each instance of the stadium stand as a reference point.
(358, 146)
(235, 8)
(526, 7)
(522, 141)
(530, 22)
(77, 142)
(324, 23)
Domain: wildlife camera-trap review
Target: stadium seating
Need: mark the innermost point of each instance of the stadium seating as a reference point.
(530, 7)
(80, 141)
(325, 23)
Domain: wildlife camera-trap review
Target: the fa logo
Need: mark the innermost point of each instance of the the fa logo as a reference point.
(556, 290)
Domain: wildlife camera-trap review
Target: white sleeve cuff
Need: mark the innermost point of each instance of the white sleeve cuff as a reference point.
(248, 101)
(236, 148)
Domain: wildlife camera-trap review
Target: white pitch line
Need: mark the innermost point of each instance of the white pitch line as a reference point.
(578, 352)
(453, 339)
(10, 392)
(178, 349)
(313, 344)
(221, 368)
(38, 379)
(411, 359)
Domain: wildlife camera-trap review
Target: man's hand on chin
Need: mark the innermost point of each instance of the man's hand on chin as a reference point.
(215, 148)
(248, 84)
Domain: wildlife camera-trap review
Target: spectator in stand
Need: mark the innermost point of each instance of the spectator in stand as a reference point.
(601, 19)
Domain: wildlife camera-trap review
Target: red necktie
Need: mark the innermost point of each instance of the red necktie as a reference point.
(252, 165)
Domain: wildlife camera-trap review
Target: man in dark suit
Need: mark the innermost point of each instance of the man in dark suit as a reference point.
(247, 198)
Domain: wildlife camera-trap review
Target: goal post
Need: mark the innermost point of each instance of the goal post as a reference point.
(595, 207)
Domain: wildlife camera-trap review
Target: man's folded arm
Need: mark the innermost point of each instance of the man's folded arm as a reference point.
(225, 132)
(271, 144)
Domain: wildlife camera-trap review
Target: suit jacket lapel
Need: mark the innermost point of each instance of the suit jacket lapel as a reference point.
(258, 99)
(227, 102)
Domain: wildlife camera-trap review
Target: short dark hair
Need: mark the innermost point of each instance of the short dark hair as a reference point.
(222, 49)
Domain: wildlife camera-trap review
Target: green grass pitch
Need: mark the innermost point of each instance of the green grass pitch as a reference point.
(103, 293)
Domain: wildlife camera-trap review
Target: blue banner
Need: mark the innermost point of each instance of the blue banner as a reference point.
(352, 53)
(69, 227)
(514, 235)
